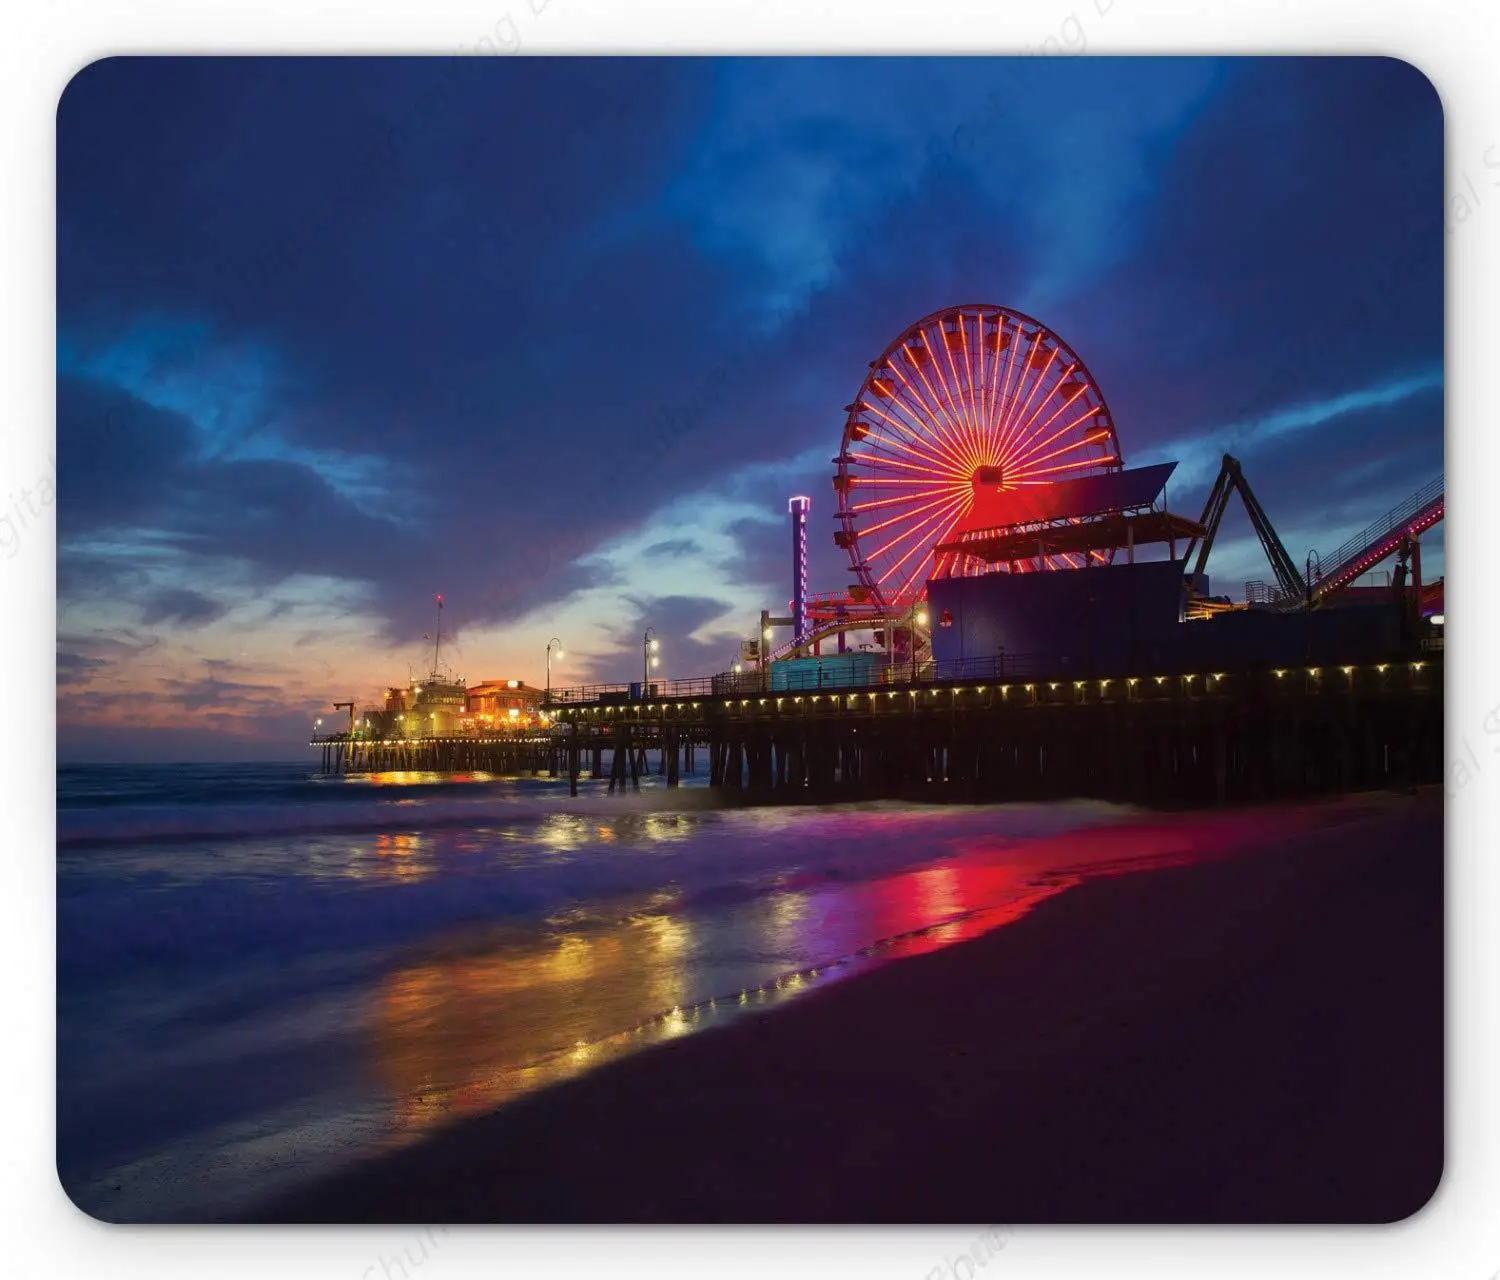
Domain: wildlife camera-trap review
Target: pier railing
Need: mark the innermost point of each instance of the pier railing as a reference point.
(483, 736)
(1004, 666)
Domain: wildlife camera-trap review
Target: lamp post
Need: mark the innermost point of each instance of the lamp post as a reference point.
(649, 646)
(552, 644)
(918, 618)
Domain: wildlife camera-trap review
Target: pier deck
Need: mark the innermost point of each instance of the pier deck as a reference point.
(1190, 738)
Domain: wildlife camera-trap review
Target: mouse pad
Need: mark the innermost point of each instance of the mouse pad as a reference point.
(752, 639)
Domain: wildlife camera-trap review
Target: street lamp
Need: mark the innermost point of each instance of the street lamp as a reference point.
(918, 619)
(650, 645)
(552, 644)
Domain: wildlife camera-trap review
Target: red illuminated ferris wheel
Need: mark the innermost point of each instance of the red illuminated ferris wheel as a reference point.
(967, 398)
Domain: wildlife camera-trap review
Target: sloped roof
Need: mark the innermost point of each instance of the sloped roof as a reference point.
(996, 508)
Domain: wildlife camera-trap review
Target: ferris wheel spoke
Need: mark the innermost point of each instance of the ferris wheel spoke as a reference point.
(912, 421)
(1013, 397)
(924, 415)
(1001, 403)
(1024, 462)
(879, 440)
(940, 500)
(975, 384)
(916, 518)
(952, 408)
(875, 460)
(1041, 377)
(927, 427)
(965, 407)
(1031, 453)
(926, 419)
(1026, 430)
(933, 451)
(906, 583)
(982, 385)
(948, 426)
(1066, 466)
(1022, 472)
(1012, 404)
(916, 570)
(861, 481)
(882, 503)
(917, 528)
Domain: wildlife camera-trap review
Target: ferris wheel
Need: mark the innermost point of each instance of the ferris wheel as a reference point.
(969, 397)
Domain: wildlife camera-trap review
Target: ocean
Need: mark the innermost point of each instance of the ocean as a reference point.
(263, 974)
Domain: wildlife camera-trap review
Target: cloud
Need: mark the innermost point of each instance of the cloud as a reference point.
(183, 608)
(671, 547)
(1199, 454)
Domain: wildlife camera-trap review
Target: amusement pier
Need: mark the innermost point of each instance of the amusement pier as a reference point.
(1026, 619)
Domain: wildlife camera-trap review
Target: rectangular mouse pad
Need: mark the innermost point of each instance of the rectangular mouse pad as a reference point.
(752, 639)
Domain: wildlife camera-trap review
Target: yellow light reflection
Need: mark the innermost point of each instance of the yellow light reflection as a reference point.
(401, 856)
(463, 1034)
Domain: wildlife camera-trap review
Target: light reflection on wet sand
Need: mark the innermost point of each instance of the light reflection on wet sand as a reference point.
(461, 1034)
(464, 1033)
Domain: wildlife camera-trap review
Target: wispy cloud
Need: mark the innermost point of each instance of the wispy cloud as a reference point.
(1198, 455)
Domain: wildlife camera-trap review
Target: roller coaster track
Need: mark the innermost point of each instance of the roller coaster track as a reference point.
(1381, 538)
(870, 618)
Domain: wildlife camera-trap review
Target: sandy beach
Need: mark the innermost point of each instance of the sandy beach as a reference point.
(1259, 1039)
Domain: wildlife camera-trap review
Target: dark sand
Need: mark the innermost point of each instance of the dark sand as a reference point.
(1259, 1039)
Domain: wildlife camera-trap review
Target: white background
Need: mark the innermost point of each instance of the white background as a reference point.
(1457, 44)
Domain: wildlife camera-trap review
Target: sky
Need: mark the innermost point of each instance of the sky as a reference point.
(558, 337)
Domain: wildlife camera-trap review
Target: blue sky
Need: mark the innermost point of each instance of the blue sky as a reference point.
(557, 337)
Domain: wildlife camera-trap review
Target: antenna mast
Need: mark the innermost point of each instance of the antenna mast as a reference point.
(437, 647)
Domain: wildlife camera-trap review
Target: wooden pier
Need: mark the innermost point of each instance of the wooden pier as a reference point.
(1163, 740)
(533, 754)
(1189, 738)
(345, 753)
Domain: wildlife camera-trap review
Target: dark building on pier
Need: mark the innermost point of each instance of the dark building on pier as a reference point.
(1071, 606)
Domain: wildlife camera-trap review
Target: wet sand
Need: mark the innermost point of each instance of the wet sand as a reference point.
(1257, 1039)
